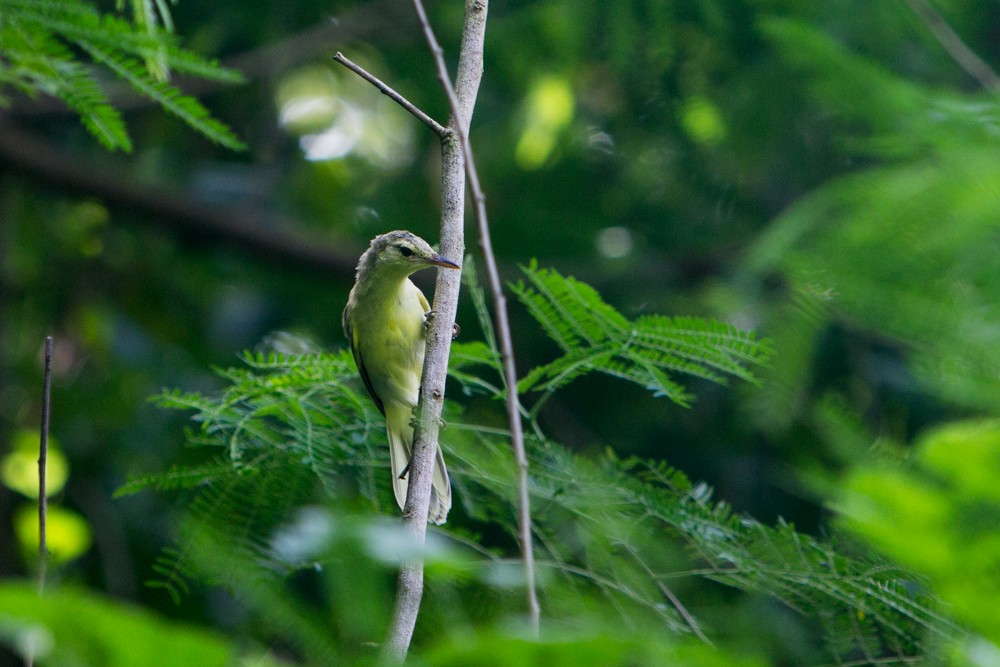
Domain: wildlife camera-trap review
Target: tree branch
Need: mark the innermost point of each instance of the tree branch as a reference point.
(272, 237)
(461, 108)
(953, 44)
(417, 113)
(411, 575)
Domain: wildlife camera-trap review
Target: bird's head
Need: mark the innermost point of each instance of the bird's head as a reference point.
(401, 252)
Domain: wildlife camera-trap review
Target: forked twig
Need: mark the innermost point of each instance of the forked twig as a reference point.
(410, 587)
(499, 311)
(414, 110)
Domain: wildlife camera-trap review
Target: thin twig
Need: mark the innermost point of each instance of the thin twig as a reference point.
(500, 313)
(415, 111)
(674, 600)
(43, 452)
(425, 437)
(953, 44)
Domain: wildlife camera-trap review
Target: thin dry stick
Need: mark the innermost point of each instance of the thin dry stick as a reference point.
(499, 310)
(417, 113)
(43, 451)
(953, 44)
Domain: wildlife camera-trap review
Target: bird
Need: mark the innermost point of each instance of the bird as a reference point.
(385, 324)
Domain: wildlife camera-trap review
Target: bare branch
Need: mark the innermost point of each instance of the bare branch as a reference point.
(953, 44)
(415, 111)
(461, 110)
(43, 453)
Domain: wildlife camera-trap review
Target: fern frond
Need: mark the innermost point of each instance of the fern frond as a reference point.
(572, 313)
(77, 21)
(42, 63)
(465, 356)
(618, 516)
(278, 361)
(596, 337)
(51, 68)
(176, 478)
(301, 430)
(184, 107)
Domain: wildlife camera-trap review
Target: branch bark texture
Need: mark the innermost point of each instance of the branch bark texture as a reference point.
(461, 116)
(411, 576)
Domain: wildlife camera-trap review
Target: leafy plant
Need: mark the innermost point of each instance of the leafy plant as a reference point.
(70, 626)
(937, 514)
(291, 432)
(647, 351)
(40, 41)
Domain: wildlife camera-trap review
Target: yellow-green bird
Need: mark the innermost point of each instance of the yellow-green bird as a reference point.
(384, 322)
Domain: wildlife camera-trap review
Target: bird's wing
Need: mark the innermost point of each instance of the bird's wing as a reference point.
(423, 301)
(359, 360)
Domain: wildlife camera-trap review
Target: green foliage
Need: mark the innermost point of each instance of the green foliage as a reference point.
(295, 433)
(896, 260)
(855, 164)
(581, 650)
(68, 626)
(36, 56)
(938, 515)
(937, 292)
(904, 120)
(596, 337)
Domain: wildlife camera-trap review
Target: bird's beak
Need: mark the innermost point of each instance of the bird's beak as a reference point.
(443, 262)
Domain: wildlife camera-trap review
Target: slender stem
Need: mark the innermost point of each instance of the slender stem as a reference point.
(674, 600)
(499, 306)
(414, 110)
(953, 44)
(410, 583)
(43, 451)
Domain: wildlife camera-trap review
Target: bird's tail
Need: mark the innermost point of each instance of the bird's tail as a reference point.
(400, 444)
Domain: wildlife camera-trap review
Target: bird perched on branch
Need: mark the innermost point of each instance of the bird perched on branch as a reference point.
(385, 323)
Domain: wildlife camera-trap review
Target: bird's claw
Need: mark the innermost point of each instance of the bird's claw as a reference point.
(430, 314)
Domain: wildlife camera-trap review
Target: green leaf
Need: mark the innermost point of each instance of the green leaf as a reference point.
(464, 358)
(186, 108)
(71, 626)
(647, 351)
(34, 40)
(937, 514)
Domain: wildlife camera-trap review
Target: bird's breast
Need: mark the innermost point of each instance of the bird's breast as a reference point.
(390, 334)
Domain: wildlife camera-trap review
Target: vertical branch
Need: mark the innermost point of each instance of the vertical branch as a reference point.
(461, 103)
(43, 452)
(428, 419)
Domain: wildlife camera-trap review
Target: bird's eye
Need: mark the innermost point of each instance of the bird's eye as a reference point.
(405, 251)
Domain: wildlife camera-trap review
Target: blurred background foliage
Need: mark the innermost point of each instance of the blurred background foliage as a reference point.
(824, 174)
